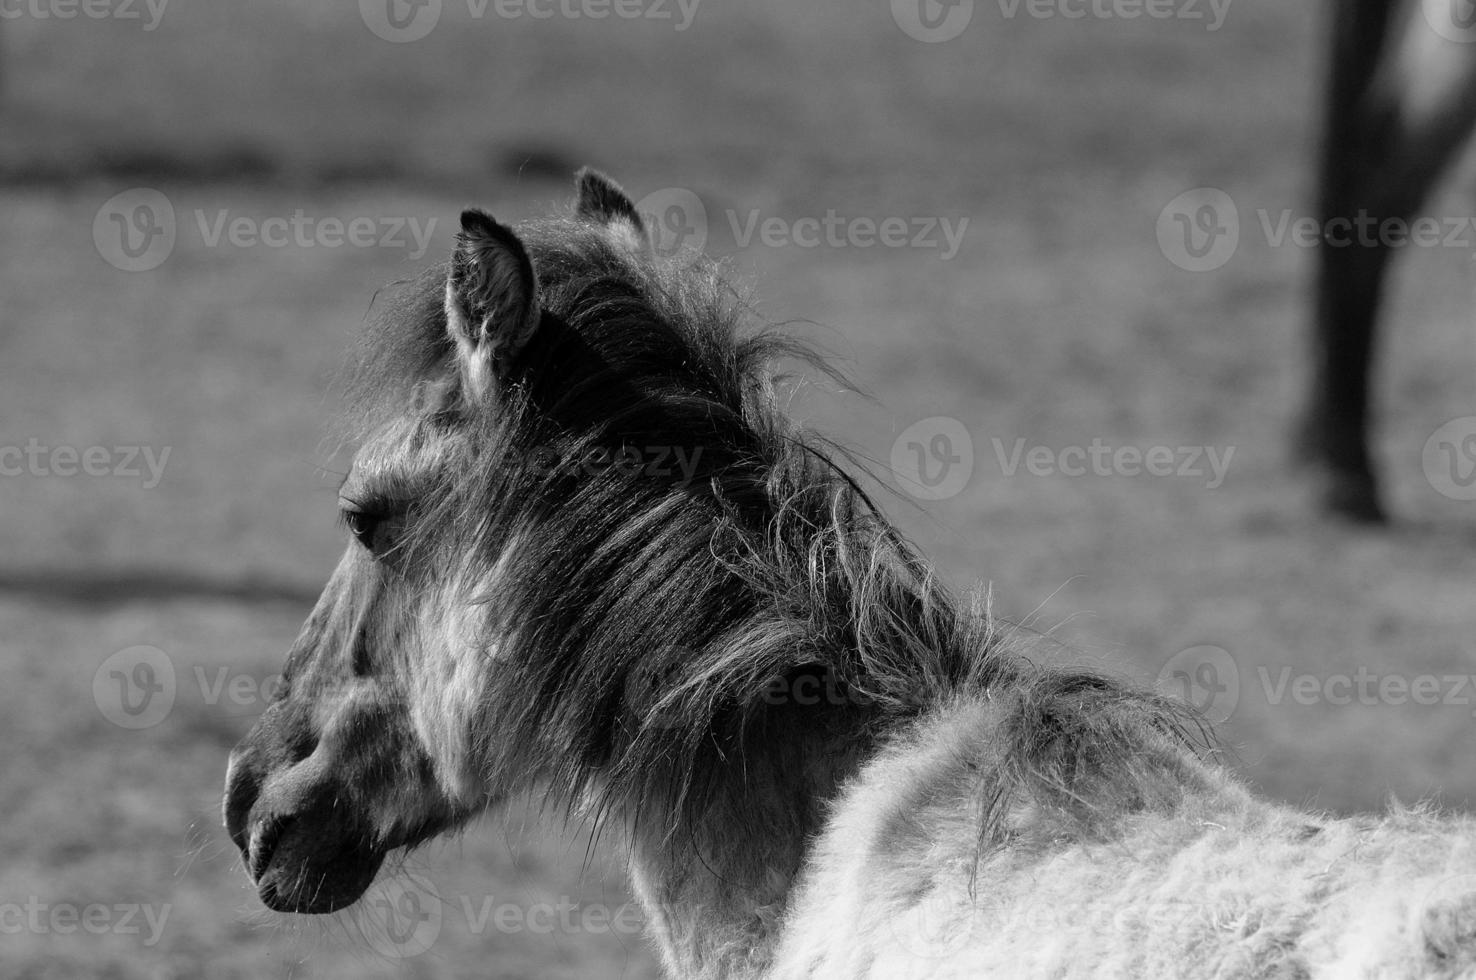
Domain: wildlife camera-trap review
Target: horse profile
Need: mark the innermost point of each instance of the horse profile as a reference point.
(825, 764)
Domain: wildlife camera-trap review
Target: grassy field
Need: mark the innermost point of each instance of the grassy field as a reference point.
(1059, 321)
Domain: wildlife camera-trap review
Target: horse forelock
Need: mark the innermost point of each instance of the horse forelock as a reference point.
(640, 615)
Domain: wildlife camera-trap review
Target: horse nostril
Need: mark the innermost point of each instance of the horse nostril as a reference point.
(243, 786)
(264, 839)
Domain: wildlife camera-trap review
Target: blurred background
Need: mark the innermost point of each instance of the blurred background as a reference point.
(201, 200)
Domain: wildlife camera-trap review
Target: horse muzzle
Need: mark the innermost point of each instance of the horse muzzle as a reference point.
(303, 848)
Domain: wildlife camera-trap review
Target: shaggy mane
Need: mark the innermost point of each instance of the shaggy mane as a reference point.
(641, 617)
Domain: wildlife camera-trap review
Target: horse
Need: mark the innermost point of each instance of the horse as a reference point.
(1400, 102)
(822, 762)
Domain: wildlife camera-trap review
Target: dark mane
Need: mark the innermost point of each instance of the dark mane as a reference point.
(643, 615)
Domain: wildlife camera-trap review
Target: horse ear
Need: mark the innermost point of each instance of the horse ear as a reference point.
(601, 200)
(491, 298)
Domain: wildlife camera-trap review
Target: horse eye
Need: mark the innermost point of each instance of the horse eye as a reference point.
(364, 526)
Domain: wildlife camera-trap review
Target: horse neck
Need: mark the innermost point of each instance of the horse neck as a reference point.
(715, 897)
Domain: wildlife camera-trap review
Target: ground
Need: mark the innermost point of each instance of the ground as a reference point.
(1061, 319)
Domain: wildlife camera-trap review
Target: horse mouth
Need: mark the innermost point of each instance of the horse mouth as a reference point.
(309, 870)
